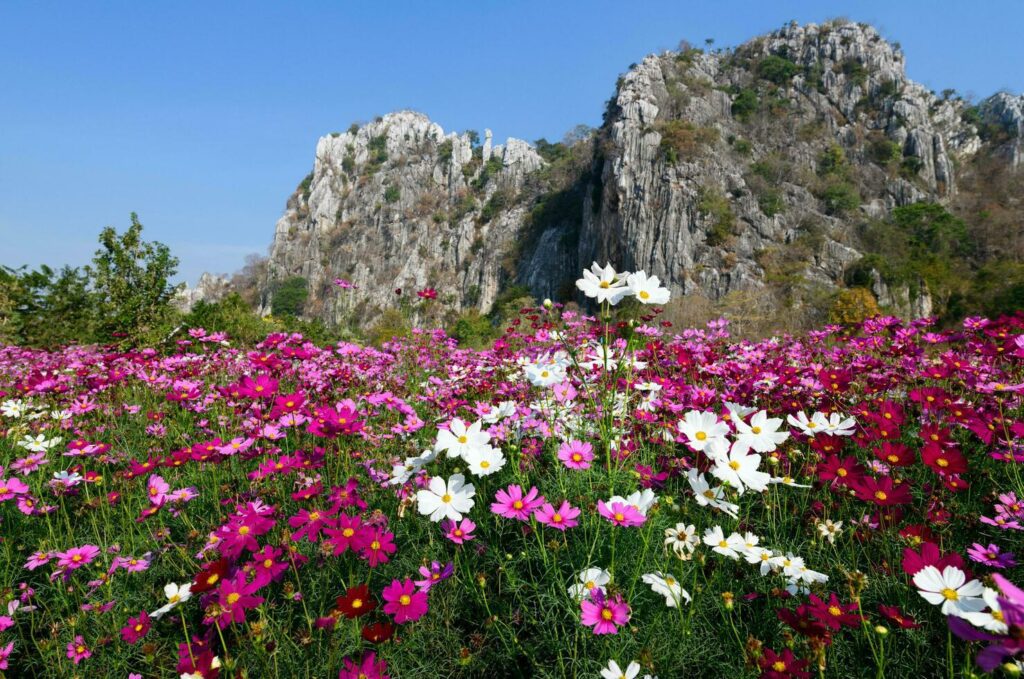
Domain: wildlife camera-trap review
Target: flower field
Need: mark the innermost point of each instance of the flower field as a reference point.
(586, 498)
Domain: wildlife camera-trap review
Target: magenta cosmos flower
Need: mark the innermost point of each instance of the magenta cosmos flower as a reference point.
(992, 555)
(403, 601)
(76, 557)
(77, 650)
(234, 597)
(576, 454)
(459, 532)
(621, 514)
(367, 668)
(512, 504)
(563, 517)
(603, 614)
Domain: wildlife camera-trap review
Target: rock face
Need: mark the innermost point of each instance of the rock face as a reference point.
(399, 204)
(718, 172)
(209, 288)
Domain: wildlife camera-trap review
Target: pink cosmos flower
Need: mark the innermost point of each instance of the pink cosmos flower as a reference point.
(309, 524)
(367, 668)
(156, 489)
(77, 650)
(136, 628)
(459, 532)
(512, 504)
(235, 596)
(603, 614)
(38, 559)
(621, 514)
(375, 545)
(76, 557)
(5, 653)
(433, 575)
(404, 602)
(562, 518)
(345, 535)
(576, 454)
(267, 566)
(12, 487)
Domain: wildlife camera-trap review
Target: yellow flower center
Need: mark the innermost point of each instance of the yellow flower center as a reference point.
(701, 436)
(313, 516)
(950, 594)
(881, 495)
(484, 464)
(375, 545)
(234, 597)
(734, 465)
(605, 285)
(463, 439)
(644, 295)
(244, 530)
(606, 614)
(405, 599)
(518, 504)
(834, 610)
(619, 516)
(357, 603)
(756, 430)
(779, 666)
(267, 563)
(348, 532)
(446, 498)
(576, 457)
(557, 518)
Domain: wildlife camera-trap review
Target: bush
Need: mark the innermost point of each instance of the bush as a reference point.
(378, 149)
(444, 152)
(771, 203)
(289, 297)
(681, 139)
(497, 202)
(745, 104)
(777, 69)
(840, 197)
(715, 206)
(855, 71)
(884, 151)
(853, 306)
(392, 194)
(473, 329)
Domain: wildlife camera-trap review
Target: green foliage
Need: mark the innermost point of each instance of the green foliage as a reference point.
(712, 204)
(444, 152)
(681, 139)
(391, 324)
(131, 281)
(743, 147)
(776, 69)
(840, 197)
(392, 194)
(855, 71)
(289, 297)
(378, 150)
(853, 306)
(306, 185)
(233, 316)
(884, 151)
(44, 308)
(348, 163)
(771, 203)
(745, 104)
(473, 329)
(489, 169)
(910, 167)
(833, 162)
(498, 201)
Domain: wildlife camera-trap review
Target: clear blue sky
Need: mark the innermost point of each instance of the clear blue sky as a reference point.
(203, 116)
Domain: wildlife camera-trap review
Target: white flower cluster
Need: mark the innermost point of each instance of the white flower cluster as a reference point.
(604, 284)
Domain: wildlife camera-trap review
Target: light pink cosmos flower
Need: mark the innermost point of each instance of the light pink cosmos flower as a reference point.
(512, 504)
(38, 559)
(562, 518)
(621, 514)
(156, 489)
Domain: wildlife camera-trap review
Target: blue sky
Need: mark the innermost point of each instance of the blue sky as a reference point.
(203, 116)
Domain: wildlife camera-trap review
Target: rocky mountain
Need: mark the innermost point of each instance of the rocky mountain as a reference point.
(753, 177)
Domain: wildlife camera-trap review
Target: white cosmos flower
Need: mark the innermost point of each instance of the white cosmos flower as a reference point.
(703, 430)
(837, 425)
(485, 461)
(647, 289)
(12, 408)
(545, 373)
(499, 412)
(992, 619)
(765, 558)
(716, 540)
(829, 529)
(668, 587)
(603, 284)
(950, 589)
(682, 539)
(739, 469)
(762, 434)
(38, 443)
(613, 671)
(176, 594)
(787, 481)
(459, 439)
(446, 500)
(589, 580)
(810, 426)
(708, 496)
(737, 411)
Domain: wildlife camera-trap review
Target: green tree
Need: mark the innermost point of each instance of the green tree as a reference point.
(131, 282)
(289, 298)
